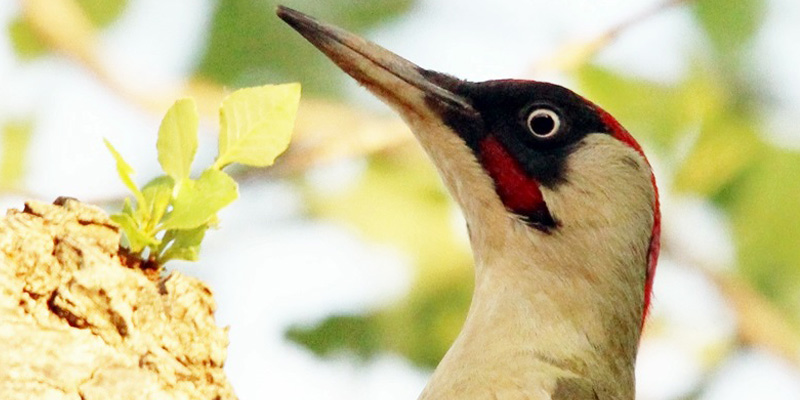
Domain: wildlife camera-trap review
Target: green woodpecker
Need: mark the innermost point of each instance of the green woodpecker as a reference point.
(563, 218)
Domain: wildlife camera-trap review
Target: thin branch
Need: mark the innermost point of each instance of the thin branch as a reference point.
(66, 29)
(760, 324)
(572, 55)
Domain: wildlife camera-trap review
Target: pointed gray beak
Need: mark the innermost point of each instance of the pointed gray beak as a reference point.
(397, 81)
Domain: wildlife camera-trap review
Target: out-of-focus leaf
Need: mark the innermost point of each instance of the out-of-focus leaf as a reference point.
(726, 147)
(184, 244)
(421, 328)
(63, 26)
(24, 40)
(424, 329)
(177, 139)
(730, 24)
(124, 170)
(765, 209)
(656, 113)
(340, 334)
(198, 201)
(13, 152)
(127, 208)
(157, 194)
(102, 12)
(249, 45)
(402, 202)
(357, 14)
(256, 124)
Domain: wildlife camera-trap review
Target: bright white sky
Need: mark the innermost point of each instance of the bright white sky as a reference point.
(295, 270)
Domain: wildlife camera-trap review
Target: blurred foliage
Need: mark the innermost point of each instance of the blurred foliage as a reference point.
(15, 140)
(29, 44)
(764, 208)
(248, 45)
(670, 110)
(26, 43)
(103, 12)
(400, 200)
(730, 24)
(360, 335)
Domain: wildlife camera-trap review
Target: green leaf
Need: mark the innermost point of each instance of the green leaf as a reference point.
(126, 207)
(102, 12)
(15, 143)
(26, 43)
(137, 239)
(157, 195)
(655, 113)
(764, 209)
(256, 124)
(730, 24)
(361, 335)
(183, 244)
(198, 201)
(726, 147)
(125, 171)
(646, 109)
(422, 328)
(177, 139)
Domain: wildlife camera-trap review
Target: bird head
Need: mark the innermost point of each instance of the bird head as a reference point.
(558, 197)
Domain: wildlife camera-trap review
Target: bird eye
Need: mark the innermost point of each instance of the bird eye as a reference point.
(543, 122)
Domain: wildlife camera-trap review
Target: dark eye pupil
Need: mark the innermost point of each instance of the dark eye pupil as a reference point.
(542, 124)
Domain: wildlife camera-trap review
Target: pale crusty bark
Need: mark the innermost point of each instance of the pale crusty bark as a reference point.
(77, 324)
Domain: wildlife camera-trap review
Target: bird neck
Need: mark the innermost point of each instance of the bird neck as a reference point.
(554, 315)
(538, 326)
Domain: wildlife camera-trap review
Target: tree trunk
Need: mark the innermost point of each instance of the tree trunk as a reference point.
(75, 323)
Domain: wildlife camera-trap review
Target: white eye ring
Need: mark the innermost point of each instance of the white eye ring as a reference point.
(543, 122)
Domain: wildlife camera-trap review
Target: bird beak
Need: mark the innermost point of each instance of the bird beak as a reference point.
(417, 94)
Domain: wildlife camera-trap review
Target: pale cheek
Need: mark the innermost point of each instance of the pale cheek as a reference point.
(606, 177)
(601, 201)
(605, 193)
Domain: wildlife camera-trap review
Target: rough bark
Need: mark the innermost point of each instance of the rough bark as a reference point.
(77, 324)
